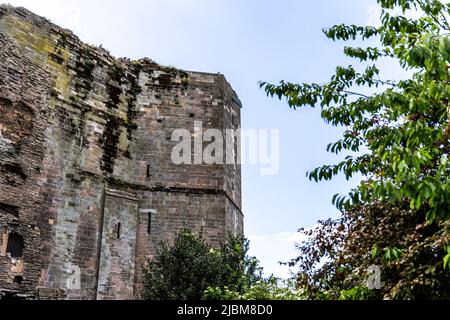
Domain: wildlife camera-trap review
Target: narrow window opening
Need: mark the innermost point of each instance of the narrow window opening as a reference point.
(15, 245)
(119, 225)
(149, 223)
(148, 171)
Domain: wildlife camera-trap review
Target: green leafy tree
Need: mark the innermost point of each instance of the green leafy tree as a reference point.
(397, 138)
(185, 269)
(237, 269)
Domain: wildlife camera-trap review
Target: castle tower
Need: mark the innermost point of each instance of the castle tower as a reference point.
(88, 186)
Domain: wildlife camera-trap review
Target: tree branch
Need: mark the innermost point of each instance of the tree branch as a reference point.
(355, 93)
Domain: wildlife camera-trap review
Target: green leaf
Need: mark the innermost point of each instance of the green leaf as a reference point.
(412, 204)
(375, 252)
(446, 261)
(431, 216)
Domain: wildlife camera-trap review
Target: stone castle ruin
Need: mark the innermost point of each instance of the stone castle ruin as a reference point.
(87, 185)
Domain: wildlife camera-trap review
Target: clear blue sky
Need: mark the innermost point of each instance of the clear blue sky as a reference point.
(247, 41)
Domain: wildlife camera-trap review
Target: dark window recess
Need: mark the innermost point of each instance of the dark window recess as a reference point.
(119, 225)
(6, 209)
(149, 223)
(148, 171)
(15, 245)
(18, 279)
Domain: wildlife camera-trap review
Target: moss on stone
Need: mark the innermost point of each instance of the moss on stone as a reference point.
(54, 58)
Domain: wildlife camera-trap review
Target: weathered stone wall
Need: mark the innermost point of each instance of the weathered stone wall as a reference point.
(117, 258)
(23, 109)
(85, 146)
(193, 195)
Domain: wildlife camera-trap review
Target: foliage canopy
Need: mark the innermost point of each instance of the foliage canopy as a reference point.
(185, 269)
(397, 138)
